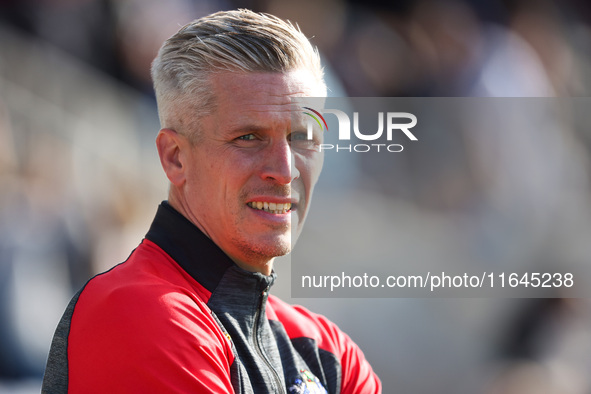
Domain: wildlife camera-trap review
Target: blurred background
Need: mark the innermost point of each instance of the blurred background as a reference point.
(80, 178)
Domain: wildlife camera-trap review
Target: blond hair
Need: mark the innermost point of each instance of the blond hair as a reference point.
(235, 41)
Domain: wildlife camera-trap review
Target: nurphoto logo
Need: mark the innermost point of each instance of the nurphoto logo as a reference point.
(316, 119)
(395, 123)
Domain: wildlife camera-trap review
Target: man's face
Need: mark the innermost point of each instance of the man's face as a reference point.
(251, 172)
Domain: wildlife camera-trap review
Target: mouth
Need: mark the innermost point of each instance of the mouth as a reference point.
(271, 207)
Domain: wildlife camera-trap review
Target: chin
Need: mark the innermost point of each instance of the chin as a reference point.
(279, 247)
(267, 249)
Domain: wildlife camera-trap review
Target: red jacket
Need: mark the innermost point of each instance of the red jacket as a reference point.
(179, 316)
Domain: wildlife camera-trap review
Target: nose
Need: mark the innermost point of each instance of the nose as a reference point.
(279, 165)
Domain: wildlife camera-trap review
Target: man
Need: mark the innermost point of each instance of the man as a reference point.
(189, 311)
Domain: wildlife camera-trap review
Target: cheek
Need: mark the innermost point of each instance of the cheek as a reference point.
(317, 164)
(204, 183)
(310, 169)
(309, 173)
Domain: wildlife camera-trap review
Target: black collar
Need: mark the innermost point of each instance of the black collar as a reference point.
(198, 255)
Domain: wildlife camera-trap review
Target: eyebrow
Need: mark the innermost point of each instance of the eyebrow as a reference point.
(248, 129)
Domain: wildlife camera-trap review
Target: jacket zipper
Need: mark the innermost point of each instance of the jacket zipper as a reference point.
(257, 345)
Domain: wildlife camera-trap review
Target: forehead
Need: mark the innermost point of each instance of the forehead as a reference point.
(263, 93)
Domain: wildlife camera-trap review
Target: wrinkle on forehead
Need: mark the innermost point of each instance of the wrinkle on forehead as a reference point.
(260, 99)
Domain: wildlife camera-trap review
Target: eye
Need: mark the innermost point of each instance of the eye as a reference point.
(246, 137)
(299, 140)
(298, 136)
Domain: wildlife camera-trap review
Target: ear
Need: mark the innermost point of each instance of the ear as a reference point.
(169, 144)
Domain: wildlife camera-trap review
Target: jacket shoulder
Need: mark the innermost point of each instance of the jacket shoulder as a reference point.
(145, 323)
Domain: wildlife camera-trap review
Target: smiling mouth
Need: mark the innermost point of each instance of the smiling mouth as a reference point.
(270, 207)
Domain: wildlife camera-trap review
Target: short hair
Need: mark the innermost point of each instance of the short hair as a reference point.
(239, 40)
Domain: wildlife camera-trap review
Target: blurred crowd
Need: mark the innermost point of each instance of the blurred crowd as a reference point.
(376, 47)
(80, 178)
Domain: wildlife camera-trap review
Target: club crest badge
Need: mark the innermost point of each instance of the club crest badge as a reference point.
(307, 383)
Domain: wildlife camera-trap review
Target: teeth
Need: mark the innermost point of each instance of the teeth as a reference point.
(271, 207)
